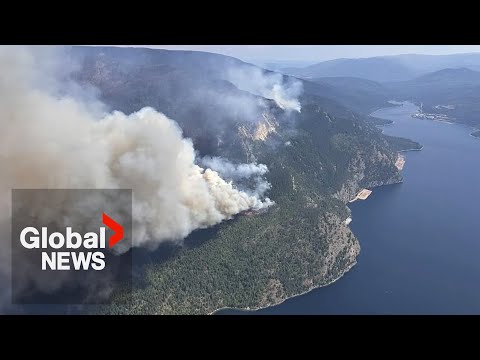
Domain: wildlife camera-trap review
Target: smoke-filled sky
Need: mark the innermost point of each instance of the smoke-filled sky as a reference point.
(315, 53)
(58, 142)
(49, 140)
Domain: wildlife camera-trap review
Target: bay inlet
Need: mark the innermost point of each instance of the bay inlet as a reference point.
(420, 241)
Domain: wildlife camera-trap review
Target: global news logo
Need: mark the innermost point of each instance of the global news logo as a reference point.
(92, 243)
(71, 246)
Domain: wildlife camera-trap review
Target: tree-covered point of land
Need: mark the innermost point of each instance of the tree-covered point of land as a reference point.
(318, 159)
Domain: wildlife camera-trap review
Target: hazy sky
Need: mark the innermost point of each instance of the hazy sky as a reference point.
(320, 52)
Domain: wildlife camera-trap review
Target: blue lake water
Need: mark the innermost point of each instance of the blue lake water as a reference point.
(420, 240)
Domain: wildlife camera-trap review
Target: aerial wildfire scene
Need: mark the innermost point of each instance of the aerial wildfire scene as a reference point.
(160, 181)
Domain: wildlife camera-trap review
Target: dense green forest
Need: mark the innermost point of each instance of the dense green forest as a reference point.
(299, 243)
(318, 159)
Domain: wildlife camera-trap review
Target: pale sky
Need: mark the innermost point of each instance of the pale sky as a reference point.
(315, 53)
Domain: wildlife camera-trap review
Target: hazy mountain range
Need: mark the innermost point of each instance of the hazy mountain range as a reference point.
(386, 68)
(307, 129)
(319, 153)
(310, 127)
(447, 84)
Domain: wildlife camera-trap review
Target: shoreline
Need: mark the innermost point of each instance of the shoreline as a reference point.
(457, 123)
(384, 125)
(346, 270)
(363, 194)
(412, 149)
(289, 297)
(247, 310)
(443, 121)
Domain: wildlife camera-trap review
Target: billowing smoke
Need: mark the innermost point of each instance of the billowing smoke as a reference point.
(238, 105)
(270, 85)
(248, 177)
(49, 140)
(234, 171)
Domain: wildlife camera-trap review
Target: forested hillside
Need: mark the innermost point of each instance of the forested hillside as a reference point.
(318, 159)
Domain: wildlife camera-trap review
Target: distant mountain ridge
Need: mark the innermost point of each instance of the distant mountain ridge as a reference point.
(376, 69)
(361, 95)
(453, 92)
(318, 159)
(387, 68)
(461, 76)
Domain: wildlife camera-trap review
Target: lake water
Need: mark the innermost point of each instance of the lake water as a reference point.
(420, 240)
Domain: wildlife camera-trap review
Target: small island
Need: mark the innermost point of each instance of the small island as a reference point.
(476, 133)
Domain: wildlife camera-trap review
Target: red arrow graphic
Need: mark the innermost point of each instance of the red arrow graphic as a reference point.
(116, 227)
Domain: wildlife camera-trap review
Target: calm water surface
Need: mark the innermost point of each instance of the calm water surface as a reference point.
(420, 239)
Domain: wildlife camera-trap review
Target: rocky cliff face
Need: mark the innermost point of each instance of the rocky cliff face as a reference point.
(352, 186)
(318, 159)
(300, 243)
(341, 254)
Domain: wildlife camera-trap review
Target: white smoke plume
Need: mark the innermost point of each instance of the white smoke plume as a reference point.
(252, 172)
(49, 141)
(270, 85)
(172, 195)
(229, 170)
